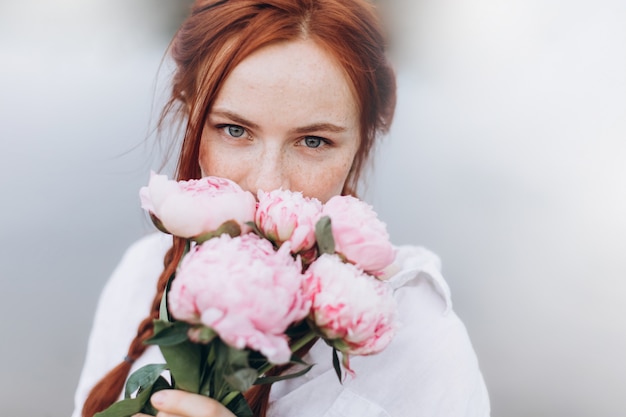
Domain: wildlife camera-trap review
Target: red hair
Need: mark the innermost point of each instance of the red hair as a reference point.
(213, 40)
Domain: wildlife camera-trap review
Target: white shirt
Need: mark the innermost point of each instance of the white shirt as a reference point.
(429, 369)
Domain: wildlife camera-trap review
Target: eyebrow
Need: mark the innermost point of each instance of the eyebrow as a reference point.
(314, 127)
(235, 118)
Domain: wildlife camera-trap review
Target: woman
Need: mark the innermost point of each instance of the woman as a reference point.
(292, 94)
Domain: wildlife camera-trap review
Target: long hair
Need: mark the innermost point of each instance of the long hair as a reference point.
(214, 39)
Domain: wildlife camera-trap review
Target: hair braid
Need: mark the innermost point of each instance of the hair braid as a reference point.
(213, 40)
(108, 389)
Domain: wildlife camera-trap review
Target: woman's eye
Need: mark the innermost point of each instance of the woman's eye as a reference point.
(235, 131)
(313, 142)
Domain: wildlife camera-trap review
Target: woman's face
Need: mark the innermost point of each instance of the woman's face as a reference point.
(285, 117)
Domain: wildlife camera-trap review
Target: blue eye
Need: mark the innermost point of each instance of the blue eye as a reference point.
(235, 131)
(313, 142)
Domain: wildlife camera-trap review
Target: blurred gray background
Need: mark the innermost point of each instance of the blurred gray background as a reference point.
(507, 158)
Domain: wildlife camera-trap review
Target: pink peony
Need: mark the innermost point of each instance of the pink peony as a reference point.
(355, 311)
(286, 216)
(196, 207)
(359, 235)
(242, 289)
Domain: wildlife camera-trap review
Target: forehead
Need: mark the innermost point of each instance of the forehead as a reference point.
(296, 78)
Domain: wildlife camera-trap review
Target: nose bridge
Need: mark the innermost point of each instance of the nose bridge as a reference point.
(270, 170)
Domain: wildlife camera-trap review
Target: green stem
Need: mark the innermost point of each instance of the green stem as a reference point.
(229, 397)
(310, 335)
(303, 341)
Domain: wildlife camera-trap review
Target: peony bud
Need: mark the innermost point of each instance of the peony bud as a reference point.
(194, 208)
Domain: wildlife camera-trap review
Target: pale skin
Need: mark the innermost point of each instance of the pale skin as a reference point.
(285, 117)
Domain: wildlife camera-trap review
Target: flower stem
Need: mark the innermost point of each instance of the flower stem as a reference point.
(229, 397)
(308, 336)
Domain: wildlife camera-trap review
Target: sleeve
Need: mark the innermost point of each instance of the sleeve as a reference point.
(430, 368)
(123, 303)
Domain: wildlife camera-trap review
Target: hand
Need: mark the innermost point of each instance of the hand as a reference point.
(176, 403)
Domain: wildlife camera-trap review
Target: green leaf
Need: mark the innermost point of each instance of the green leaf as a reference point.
(230, 227)
(143, 378)
(324, 236)
(185, 364)
(297, 360)
(163, 313)
(158, 223)
(238, 358)
(204, 334)
(141, 403)
(255, 228)
(239, 407)
(241, 379)
(168, 334)
(220, 354)
(337, 344)
(336, 365)
(128, 407)
(272, 379)
(159, 385)
(124, 408)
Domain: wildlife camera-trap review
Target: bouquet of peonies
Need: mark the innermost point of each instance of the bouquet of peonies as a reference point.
(258, 281)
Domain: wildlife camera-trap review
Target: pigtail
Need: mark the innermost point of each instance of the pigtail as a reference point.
(212, 41)
(107, 390)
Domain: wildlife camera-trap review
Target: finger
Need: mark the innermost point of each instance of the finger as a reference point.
(184, 404)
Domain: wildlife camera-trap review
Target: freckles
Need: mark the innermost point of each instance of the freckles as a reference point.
(332, 181)
(219, 167)
(210, 164)
(203, 156)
